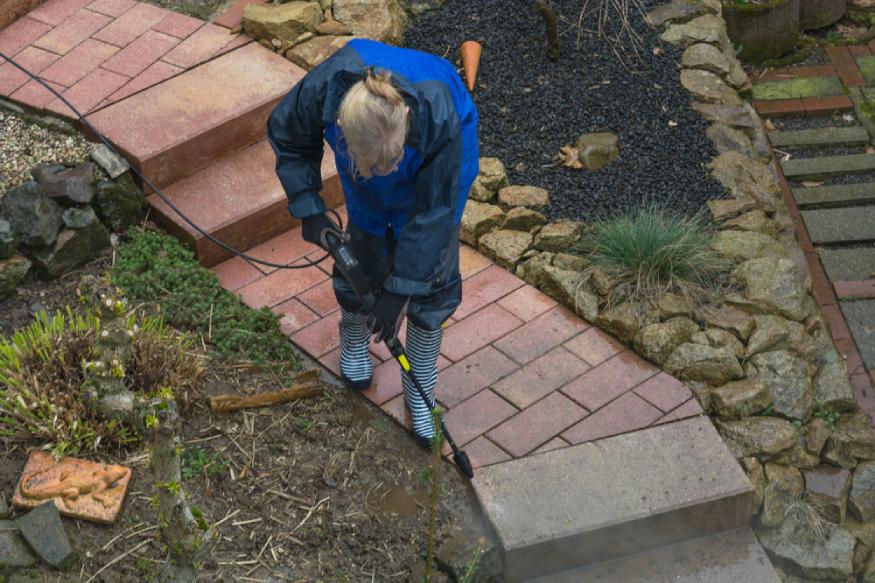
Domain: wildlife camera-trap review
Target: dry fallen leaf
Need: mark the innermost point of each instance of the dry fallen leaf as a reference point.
(569, 156)
(811, 184)
(672, 124)
(870, 149)
(769, 125)
(657, 51)
(848, 117)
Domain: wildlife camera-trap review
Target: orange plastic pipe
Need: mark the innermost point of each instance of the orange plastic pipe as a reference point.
(471, 51)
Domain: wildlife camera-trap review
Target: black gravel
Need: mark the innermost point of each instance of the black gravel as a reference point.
(836, 120)
(530, 107)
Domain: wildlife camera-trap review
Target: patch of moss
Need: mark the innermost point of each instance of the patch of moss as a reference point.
(797, 88)
(804, 46)
(867, 68)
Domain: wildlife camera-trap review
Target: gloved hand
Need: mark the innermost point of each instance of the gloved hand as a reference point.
(385, 320)
(312, 227)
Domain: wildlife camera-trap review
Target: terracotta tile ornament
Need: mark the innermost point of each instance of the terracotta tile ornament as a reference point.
(79, 488)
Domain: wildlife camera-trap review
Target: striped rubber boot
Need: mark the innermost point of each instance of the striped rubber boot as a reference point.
(423, 348)
(356, 367)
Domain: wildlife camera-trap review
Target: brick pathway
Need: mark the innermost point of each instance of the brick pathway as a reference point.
(97, 52)
(834, 215)
(518, 373)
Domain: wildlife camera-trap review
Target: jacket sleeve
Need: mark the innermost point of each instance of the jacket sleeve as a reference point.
(422, 247)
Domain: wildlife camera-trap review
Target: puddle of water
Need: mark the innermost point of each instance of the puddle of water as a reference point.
(405, 501)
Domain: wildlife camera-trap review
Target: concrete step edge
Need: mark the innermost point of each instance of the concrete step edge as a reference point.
(814, 138)
(838, 195)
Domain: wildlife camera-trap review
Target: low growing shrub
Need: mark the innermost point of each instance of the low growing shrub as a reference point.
(156, 268)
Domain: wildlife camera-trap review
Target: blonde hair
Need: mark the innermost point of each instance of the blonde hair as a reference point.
(373, 118)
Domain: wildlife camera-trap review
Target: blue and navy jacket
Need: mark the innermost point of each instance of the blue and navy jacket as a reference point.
(423, 200)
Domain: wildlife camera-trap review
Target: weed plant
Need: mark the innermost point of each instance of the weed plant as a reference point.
(156, 269)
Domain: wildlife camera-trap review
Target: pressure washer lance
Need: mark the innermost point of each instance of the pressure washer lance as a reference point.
(335, 242)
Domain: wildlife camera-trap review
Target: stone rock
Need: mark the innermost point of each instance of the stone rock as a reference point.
(602, 283)
(826, 490)
(67, 185)
(5, 511)
(773, 284)
(717, 338)
(770, 332)
(478, 219)
(491, 178)
(672, 306)
(35, 218)
(731, 115)
(707, 364)
(596, 150)
(281, 21)
(759, 138)
(755, 221)
(120, 203)
(727, 139)
(740, 399)
(530, 197)
(704, 29)
(708, 87)
(73, 247)
(786, 378)
(532, 268)
(706, 57)
(862, 498)
(729, 318)
(784, 485)
(825, 553)
(12, 272)
(560, 284)
(737, 78)
(586, 305)
(79, 218)
(723, 210)
(620, 321)
(44, 532)
(757, 476)
(558, 236)
(797, 457)
(454, 557)
(673, 12)
(382, 20)
(505, 247)
(832, 389)
(853, 439)
(14, 552)
(8, 240)
(800, 342)
(739, 246)
(816, 433)
(657, 341)
(570, 262)
(332, 28)
(522, 219)
(758, 436)
(310, 53)
(747, 178)
(113, 164)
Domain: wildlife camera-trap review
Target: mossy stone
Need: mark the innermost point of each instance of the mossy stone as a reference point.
(798, 88)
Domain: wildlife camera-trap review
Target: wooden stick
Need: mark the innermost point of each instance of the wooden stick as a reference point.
(548, 13)
(305, 387)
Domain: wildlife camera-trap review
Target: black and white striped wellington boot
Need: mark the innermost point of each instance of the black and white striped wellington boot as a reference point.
(356, 367)
(423, 348)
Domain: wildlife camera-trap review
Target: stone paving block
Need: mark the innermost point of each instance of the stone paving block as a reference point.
(483, 452)
(471, 374)
(689, 409)
(78, 62)
(526, 303)
(821, 106)
(839, 55)
(320, 337)
(859, 51)
(488, 286)
(601, 385)
(843, 225)
(279, 286)
(467, 336)
(287, 247)
(859, 290)
(21, 33)
(477, 415)
(130, 25)
(822, 137)
(179, 25)
(594, 346)
(142, 52)
(320, 298)
(587, 503)
(541, 334)
(200, 46)
(855, 263)
(293, 315)
(850, 76)
(779, 108)
(35, 95)
(471, 261)
(387, 380)
(797, 88)
(89, 92)
(14, 552)
(543, 375)
(555, 443)
(726, 557)
(176, 128)
(860, 316)
(827, 166)
(72, 31)
(396, 409)
(55, 12)
(44, 532)
(233, 16)
(154, 74)
(114, 8)
(628, 413)
(664, 392)
(235, 273)
(238, 41)
(835, 195)
(537, 424)
(32, 58)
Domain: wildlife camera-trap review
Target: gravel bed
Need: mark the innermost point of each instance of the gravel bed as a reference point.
(837, 120)
(530, 107)
(27, 144)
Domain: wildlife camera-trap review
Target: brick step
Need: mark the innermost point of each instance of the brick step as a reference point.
(863, 289)
(182, 125)
(238, 200)
(842, 225)
(727, 557)
(818, 138)
(597, 501)
(828, 166)
(835, 196)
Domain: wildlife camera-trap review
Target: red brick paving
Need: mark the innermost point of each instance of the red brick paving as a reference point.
(689, 409)
(233, 16)
(320, 298)
(55, 12)
(140, 54)
(72, 31)
(818, 106)
(90, 91)
(594, 346)
(779, 107)
(483, 452)
(609, 380)
(663, 391)
(200, 46)
(476, 331)
(555, 443)
(860, 290)
(836, 321)
(477, 415)
(178, 25)
(35, 94)
(543, 375)
(486, 287)
(130, 25)
(476, 372)
(152, 75)
(627, 413)
(79, 62)
(114, 8)
(538, 424)
(34, 59)
(541, 334)
(21, 33)
(279, 286)
(527, 303)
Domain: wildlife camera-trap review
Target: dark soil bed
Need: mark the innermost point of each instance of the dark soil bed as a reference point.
(530, 107)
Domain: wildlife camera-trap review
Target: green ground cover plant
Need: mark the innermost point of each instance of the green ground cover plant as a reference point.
(155, 268)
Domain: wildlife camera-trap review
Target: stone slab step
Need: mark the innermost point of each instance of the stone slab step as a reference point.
(848, 264)
(834, 196)
(843, 225)
(601, 500)
(860, 314)
(180, 126)
(818, 138)
(828, 166)
(238, 199)
(728, 557)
